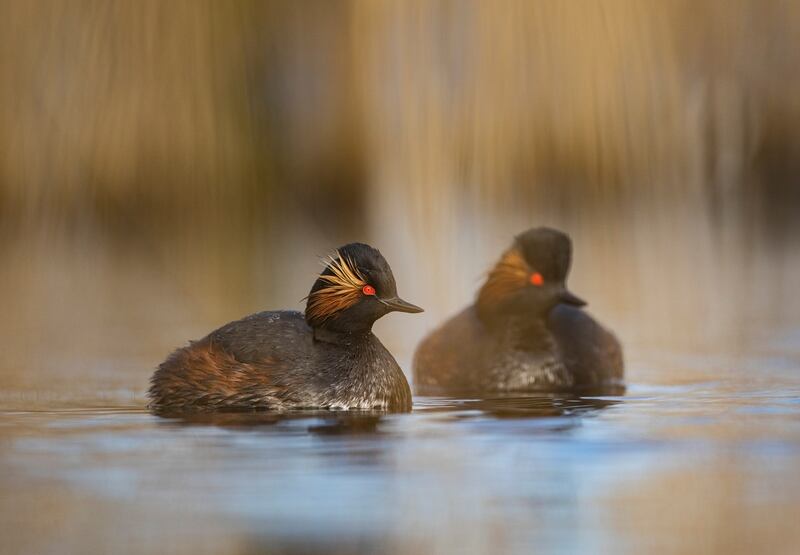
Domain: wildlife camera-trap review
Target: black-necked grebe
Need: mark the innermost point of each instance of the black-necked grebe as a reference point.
(525, 331)
(327, 358)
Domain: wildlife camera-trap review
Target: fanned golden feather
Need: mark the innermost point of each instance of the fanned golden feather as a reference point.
(509, 274)
(343, 290)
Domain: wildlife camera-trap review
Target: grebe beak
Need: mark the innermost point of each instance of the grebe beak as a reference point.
(399, 305)
(567, 297)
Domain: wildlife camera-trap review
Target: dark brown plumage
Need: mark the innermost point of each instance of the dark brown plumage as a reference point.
(328, 358)
(525, 332)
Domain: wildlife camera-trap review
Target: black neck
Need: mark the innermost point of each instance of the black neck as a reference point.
(327, 335)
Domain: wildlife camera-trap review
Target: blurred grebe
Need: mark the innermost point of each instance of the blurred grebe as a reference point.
(525, 331)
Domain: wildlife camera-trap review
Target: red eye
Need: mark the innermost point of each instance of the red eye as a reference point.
(537, 279)
(368, 290)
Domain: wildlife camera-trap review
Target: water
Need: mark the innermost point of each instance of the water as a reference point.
(711, 464)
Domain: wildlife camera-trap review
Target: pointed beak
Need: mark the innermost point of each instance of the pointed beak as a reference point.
(568, 298)
(399, 305)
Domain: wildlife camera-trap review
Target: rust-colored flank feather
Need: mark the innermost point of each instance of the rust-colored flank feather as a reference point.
(343, 290)
(509, 274)
(202, 376)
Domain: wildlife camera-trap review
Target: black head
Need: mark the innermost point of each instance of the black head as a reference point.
(530, 277)
(356, 288)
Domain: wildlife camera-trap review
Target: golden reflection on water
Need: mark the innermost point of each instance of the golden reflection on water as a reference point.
(168, 167)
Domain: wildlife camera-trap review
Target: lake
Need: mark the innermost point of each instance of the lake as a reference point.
(703, 464)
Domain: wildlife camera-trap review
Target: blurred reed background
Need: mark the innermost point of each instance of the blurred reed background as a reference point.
(168, 166)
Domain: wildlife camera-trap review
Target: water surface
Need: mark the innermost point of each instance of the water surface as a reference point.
(709, 464)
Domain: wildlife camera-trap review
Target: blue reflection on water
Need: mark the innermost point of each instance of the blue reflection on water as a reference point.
(521, 471)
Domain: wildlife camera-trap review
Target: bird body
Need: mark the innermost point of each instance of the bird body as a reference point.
(525, 332)
(571, 351)
(327, 358)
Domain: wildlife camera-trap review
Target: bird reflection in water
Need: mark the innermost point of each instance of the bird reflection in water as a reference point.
(522, 406)
(322, 422)
(370, 422)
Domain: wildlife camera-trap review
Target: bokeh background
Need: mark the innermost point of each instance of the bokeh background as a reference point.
(166, 167)
(169, 166)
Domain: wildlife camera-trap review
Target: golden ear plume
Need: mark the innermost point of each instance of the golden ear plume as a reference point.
(509, 275)
(343, 290)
